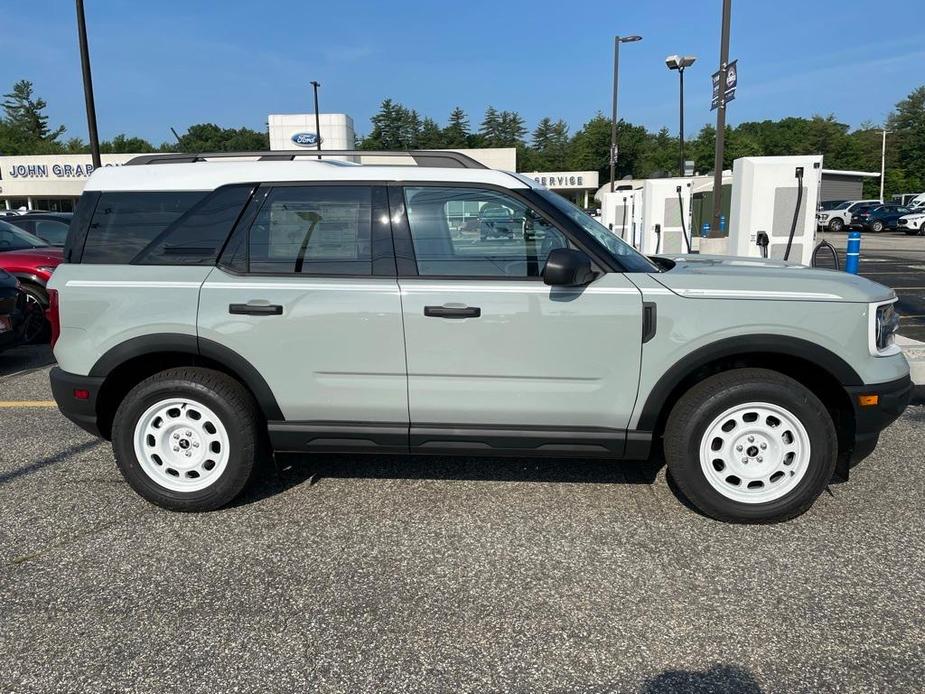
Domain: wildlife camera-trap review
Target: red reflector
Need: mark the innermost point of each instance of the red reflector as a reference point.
(54, 321)
(81, 393)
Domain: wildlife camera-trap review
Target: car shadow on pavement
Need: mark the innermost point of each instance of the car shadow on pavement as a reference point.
(291, 470)
(729, 679)
(25, 358)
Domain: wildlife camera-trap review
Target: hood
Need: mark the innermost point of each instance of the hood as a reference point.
(45, 255)
(727, 277)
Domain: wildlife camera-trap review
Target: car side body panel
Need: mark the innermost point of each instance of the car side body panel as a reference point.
(103, 306)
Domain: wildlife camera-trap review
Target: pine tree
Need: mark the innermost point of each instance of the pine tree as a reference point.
(490, 129)
(456, 134)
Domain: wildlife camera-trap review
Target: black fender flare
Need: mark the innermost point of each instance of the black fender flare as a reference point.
(779, 345)
(195, 346)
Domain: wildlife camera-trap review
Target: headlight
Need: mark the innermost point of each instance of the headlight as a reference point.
(822, 217)
(883, 328)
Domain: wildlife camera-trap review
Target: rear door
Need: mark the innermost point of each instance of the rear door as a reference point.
(496, 358)
(306, 292)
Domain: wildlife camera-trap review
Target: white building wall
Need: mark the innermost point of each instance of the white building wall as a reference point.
(336, 130)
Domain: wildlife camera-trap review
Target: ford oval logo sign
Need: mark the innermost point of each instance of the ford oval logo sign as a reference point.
(307, 139)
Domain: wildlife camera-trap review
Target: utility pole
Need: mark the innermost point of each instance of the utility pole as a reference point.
(883, 161)
(88, 86)
(315, 86)
(721, 122)
(617, 40)
(681, 128)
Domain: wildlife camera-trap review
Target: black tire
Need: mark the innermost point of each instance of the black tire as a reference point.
(233, 405)
(836, 224)
(39, 330)
(703, 403)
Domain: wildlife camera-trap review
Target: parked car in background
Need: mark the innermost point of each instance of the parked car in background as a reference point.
(51, 227)
(879, 218)
(913, 223)
(30, 260)
(840, 216)
(827, 205)
(10, 309)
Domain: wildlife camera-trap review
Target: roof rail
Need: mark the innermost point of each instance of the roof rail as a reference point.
(441, 159)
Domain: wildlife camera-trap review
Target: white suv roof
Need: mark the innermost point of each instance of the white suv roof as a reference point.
(172, 173)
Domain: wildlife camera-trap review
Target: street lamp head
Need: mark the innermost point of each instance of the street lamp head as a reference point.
(315, 83)
(629, 39)
(679, 62)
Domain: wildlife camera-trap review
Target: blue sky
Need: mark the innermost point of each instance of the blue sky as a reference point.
(166, 63)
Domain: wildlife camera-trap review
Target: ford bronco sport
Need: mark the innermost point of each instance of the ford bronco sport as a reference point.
(214, 308)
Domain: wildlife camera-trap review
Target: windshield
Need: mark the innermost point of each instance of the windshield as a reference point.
(15, 239)
(842, 205)
(628, 257)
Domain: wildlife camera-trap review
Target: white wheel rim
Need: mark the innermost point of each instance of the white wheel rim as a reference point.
(181, 444)
(755, 453)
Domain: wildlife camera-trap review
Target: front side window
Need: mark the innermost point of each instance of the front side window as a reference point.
(317, 230)
(475, 232)
(53, 232)
(628, 257)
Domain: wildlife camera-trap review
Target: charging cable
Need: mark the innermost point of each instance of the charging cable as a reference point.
(796, 212)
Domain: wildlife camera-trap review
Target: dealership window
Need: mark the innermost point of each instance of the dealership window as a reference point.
(473, 232)
(123, 224)
(315, 230)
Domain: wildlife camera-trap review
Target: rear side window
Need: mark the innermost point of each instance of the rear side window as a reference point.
(197, 237)
(124, 224)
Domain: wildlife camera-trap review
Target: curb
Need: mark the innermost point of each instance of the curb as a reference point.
(914, 351)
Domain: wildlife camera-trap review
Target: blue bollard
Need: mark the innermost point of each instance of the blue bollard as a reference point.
(853, 256)
(705, 230)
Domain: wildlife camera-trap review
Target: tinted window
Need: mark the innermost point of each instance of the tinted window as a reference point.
(471, 232)
(124, 223)
(15, 239)
(319, 230)
(198, 236)
(53, 232)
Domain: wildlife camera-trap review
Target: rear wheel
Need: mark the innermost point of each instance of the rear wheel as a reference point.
(876, 227)
(836, 224)
(750, 446)
(187, 438)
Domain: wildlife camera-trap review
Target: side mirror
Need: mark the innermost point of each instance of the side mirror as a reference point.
(566, 267)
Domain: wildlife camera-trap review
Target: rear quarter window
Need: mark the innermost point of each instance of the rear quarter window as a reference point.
(163, 228)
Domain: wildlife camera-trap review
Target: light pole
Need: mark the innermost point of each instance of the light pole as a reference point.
(315, 86)
(883, 161)
(88, 85)
(679, 62)
(721, 121)
(617, 40)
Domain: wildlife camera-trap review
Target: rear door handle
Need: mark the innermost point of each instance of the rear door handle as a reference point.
(452, 312)
(255, 309)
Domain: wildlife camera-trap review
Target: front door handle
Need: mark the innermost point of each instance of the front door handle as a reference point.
(255, 309)
(452, 311)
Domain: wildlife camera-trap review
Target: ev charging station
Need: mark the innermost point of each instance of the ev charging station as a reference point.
(621, 212)
(774, 202)
(666, 214)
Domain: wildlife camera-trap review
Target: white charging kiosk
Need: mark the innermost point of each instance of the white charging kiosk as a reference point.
(770, 197)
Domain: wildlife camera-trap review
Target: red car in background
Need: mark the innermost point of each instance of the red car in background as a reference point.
(31, 260)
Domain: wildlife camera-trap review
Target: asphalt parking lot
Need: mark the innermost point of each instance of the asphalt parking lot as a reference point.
(374, 574)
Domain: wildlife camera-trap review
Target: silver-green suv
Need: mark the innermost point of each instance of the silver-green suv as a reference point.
(212, 309)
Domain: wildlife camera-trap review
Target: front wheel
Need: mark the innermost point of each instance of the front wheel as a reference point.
(836, 225)
(750, 446)
(187, 438)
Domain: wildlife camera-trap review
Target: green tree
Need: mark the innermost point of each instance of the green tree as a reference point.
(456, 134)
(908, 125)
(24, 128)
(123, 144)
(394, 128)
(209, 137)
(432, 136)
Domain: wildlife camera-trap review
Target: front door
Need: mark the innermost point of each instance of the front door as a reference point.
(496, 358)
(306, 293)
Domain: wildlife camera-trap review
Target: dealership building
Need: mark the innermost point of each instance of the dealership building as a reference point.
(54, 182)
